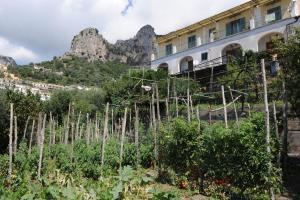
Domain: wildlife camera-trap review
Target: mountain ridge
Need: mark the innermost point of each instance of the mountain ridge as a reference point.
(93, 46)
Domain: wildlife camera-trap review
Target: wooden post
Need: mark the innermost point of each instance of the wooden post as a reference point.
(267, 118)
(167, 110)
(150, 115)
(26, 126)
(234, 106)
(191, 106)
(198, 118)
(188, 105)
(42, 136)
(176, 102)
(154, 130)
(50, 131)
(31, 136)
(39, 127)
(67, 126)
(112, 121)
(11, 139)
(122, 138)
(168, 89)
(77, 126)
(54, 132)
(16, 136)
(87, 129)
(209, 114)
(105, 132)
(249, 110)
(157, 104)
(225, 108)
(136, 135)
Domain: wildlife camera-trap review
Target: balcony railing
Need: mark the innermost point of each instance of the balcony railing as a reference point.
(219, 35)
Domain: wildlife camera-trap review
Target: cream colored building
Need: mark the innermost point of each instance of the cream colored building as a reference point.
(207, 43)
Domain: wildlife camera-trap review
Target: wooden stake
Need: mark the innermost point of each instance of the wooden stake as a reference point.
(42, 136)
(11, 139)
(225, 108)
(154, 130)
(39, 127)
(105, 132)
(67, 126)
(168, 91)
(122, 138)
(167, 110)
(16, 136)
(188, 105)
(157, 104)
(136, 138)
(234, 106)
(191, 106)
(88, 129)
(31, 136)
(26, 126)
(267, 118)
(77, 126)
(198, 118)
(276, 131)
(177, 110)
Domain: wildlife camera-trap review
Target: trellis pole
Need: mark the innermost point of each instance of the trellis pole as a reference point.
(267, 118)
(77, 126)
(16, 136)
(225, 108)
(154, 130)
(105, 132)
(136, 138)
(42, 136)
(11, 139)
(157, 104)
(31, 137)
(67, 126)
(122, 138)
(167, 110)
(234, 106)
(276, 131)
(26, 126)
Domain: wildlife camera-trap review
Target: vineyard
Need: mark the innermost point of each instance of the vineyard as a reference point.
(148, 135)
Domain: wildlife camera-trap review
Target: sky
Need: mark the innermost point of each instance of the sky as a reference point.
(38, 30)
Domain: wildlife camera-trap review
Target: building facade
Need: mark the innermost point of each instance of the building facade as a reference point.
(250, 26)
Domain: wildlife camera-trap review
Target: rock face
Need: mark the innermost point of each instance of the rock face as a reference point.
(91, 45)
(138, 49)
(4, 60)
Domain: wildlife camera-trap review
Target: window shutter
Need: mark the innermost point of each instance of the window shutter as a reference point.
(242, 24)
(228, 29)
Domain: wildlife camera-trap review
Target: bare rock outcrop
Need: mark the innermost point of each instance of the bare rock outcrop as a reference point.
(7, 61)
(91, 45)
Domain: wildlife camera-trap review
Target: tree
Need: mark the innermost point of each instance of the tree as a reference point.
(289, 56)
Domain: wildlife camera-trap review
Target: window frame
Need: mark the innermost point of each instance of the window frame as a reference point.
(169, 49)
(202, 56)
(193, 43)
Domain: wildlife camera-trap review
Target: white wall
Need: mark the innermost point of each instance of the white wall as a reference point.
(248, 40)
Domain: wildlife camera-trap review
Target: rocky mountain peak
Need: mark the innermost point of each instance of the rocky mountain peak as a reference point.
(89, 44)
(5, 60)
(135, 51)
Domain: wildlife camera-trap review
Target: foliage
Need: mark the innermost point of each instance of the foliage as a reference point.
(71, 71)
(289, 57)
(237, 157)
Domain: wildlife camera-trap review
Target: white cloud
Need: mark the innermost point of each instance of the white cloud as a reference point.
(47, 27)
(15, 51)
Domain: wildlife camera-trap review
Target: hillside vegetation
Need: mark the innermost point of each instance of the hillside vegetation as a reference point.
(71, 71)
